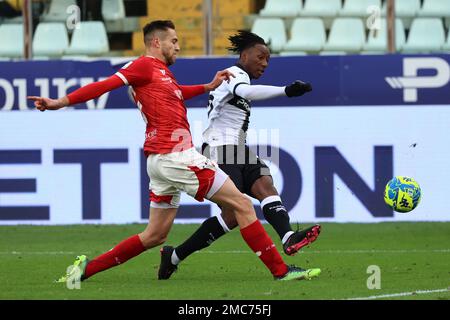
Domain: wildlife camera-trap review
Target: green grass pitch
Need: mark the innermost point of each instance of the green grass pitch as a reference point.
(412, 257)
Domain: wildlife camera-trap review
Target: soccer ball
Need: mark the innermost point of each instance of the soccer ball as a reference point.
(402, 194)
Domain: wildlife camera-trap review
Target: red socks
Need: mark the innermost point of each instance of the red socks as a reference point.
(124, 251)
(259, 241)
(254, 234)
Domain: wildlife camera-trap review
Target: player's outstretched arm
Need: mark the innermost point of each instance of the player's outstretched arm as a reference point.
(297, 88)
(83, 94)
(43, 104)
(192, 91)
(223, 75)
(262, 92)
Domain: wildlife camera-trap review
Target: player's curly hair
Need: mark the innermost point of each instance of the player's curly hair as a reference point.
(244, 39)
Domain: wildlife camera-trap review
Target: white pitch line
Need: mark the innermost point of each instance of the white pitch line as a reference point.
(402, 294)
(43, 253)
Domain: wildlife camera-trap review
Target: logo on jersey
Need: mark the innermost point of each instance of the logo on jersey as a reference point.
(178, 94)
(240, 103)
(163, 72)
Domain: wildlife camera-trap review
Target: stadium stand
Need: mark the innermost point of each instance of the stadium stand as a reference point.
(285, 8)
(188, 18)
(377, 38)
(346, 34)
(11, 44)
(58, 11)
(293, 53)
(357, 8)
(272, 30)
(113, 13)
(325, 10)
(332, 53)
(446, 45)
(426, 35)
(320, 8)
(50, 39)
(307, 34)
(406, 10)
(435, 8)
(89, 39)
(290, 26)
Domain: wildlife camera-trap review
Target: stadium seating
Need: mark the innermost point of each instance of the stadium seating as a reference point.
(89, 39)
(435, 8)
(113, 13)
(285, 8)
(15, 20)
(358, 8)
(50, 39)
(58, 11)
(11, 44)
(293, 53)
(307, 34)
(346, 34)
(377, 39)
(426, 35)
(321, 8)
(272, 30)
(404, 8)
(332, 53)
(289, 26)
(326, 10)
(446, 46)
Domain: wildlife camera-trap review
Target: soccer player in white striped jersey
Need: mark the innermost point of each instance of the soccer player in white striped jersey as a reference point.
(225, 143)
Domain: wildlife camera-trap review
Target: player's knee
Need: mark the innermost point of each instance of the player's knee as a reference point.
(243, 205)
(153, 240)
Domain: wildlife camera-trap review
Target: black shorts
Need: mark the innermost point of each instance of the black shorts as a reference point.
(242, 165)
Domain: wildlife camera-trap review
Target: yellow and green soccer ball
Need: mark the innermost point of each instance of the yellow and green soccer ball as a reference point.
(402, 194)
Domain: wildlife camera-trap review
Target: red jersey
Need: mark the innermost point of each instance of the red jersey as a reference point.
(160, 99)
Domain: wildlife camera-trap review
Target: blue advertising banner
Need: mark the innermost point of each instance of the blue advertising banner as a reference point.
(328, 164)
(360, 80)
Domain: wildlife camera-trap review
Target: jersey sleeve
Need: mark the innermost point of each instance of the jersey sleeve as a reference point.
(137, 72)
(259, 92)
(240, 77)
(94, 90)
(189, 92)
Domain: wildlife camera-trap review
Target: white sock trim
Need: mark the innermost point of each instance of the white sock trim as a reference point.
(174, 258)
(270, 199)
(222, 223)
(285, 237)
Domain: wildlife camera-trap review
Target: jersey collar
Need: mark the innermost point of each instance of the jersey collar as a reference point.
(243, 69)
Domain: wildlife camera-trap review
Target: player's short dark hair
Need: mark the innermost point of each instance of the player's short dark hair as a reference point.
(157, 25)
(244, 39)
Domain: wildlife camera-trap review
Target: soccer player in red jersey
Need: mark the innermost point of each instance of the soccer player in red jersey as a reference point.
(173, 164)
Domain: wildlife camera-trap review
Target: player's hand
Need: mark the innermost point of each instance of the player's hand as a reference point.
(223, 75)
(297, 88)
(43, 104)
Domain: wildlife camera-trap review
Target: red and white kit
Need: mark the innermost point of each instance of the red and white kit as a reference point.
(173, 164)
